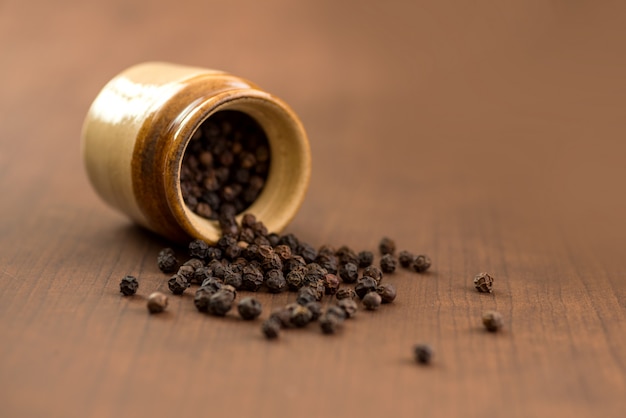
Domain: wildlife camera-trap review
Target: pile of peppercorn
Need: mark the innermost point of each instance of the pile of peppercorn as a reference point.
(252, 259)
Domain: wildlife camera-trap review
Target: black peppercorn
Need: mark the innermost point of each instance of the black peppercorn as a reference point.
(348, 272)
(492, 321)
(167, 261)
(307, 252)
(329, 324)
(275, 281)
(349, 307)
(346, 255)
(187, 272)
(221, 302)
(406, 259)
(316, 310)
(300, 316)
(252, 278)
(421, 263)
(129, 285)
(198, 248)
(329, 263)
(366, 258)
(283, 251)
(233, 277)
(194, 263)
(289, 240)
(483, 282)
(201, 298)
(423, 353)
(331, 284)
(157, 302)
(295, 278)
(249, 308)
(387, 263)
(345, 293)
(213, 284)
(387, 292)
(364, 286)
(177, 284)
(272, 263)
(372, 301)
(387, 246)
(306, 295)
(271, 328)
(213, 253)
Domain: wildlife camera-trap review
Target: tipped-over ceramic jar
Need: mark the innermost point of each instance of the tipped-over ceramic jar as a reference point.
(139, 127)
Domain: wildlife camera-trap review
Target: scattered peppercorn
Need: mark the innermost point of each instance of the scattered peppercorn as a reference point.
(271, 328)
(387, 292)
(349, 307)
(275, 281)
(349, 273)
(364, 286)
(406, 259)
(387, 246)
(331, 284)
(372, 301)
(492, 321)
(373, 272)
(388, 263)
(221, 302)
(421, 263)
(423, 353)
(167, 261)
(366, 258)
(129, 285)
(157, 302)
(315, 308)
(301, 316)
(198, 248)
(249, 308)
(483, 282)
(177, 284)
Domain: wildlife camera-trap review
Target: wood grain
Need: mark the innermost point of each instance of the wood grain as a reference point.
(490, 137)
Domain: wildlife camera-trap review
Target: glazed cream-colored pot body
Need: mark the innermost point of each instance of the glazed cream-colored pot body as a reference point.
(138, 127)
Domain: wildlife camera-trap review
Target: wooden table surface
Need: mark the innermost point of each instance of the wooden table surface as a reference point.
(489, 135)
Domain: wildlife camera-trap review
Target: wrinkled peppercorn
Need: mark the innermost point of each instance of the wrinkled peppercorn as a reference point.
(483, 282)
(198, 249)
(345, 293)
(423, 353)
(372, 301)
(252, 278)
(329, 263)
(301, 316)
(406, 259)
(194, 263)
(294, 262)
(387, 292)
(387, 246)
(275, 281)
(271, 328)
(129, 285)
(249, 308)
(295, 278)
(233, 277)
(283, 251)
(187, 272)
(492, 321)
(167, 261)
(349, 307)
(201, 298)
(364, 286)
(315, 308)
(387, 263)
(177, 284)
(221, 302)
(331, 284)
(366, 258)
(349, 273)
(306, 295)
(157, 302)
(421, 263)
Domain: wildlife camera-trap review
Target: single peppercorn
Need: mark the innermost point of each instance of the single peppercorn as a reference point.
(316, 310)
(306, 295)
(335, 310)
(201, 298)
(406, 259)
(365, 286)
(275, 281)
(294, 262)
(332, 320)
(387, 246)
(194, 263)
(306, 251)
(213, 253)
(421, 263)
(387, 292)
(314, 273)
(346, 255)
(492, 321)
(198, 248)
(167, 261)
(423, 353)
(249, 308)
(271, 328)
(272, 263)
(295, 278)
(283, 315)
(252, 278)
(372, 301)
(157, 302)
(300, 316)
(331, 284)
(177, 284)
(387, 263)
(373, 272)
(366, 258)
(187, 272)
(129, 285)
(233, 277)
(483, 282)
(345, 293)
(283, 251)
(221, 302)
(349, 273)
(349, 307)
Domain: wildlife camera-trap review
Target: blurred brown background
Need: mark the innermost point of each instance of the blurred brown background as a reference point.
(489, 135)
